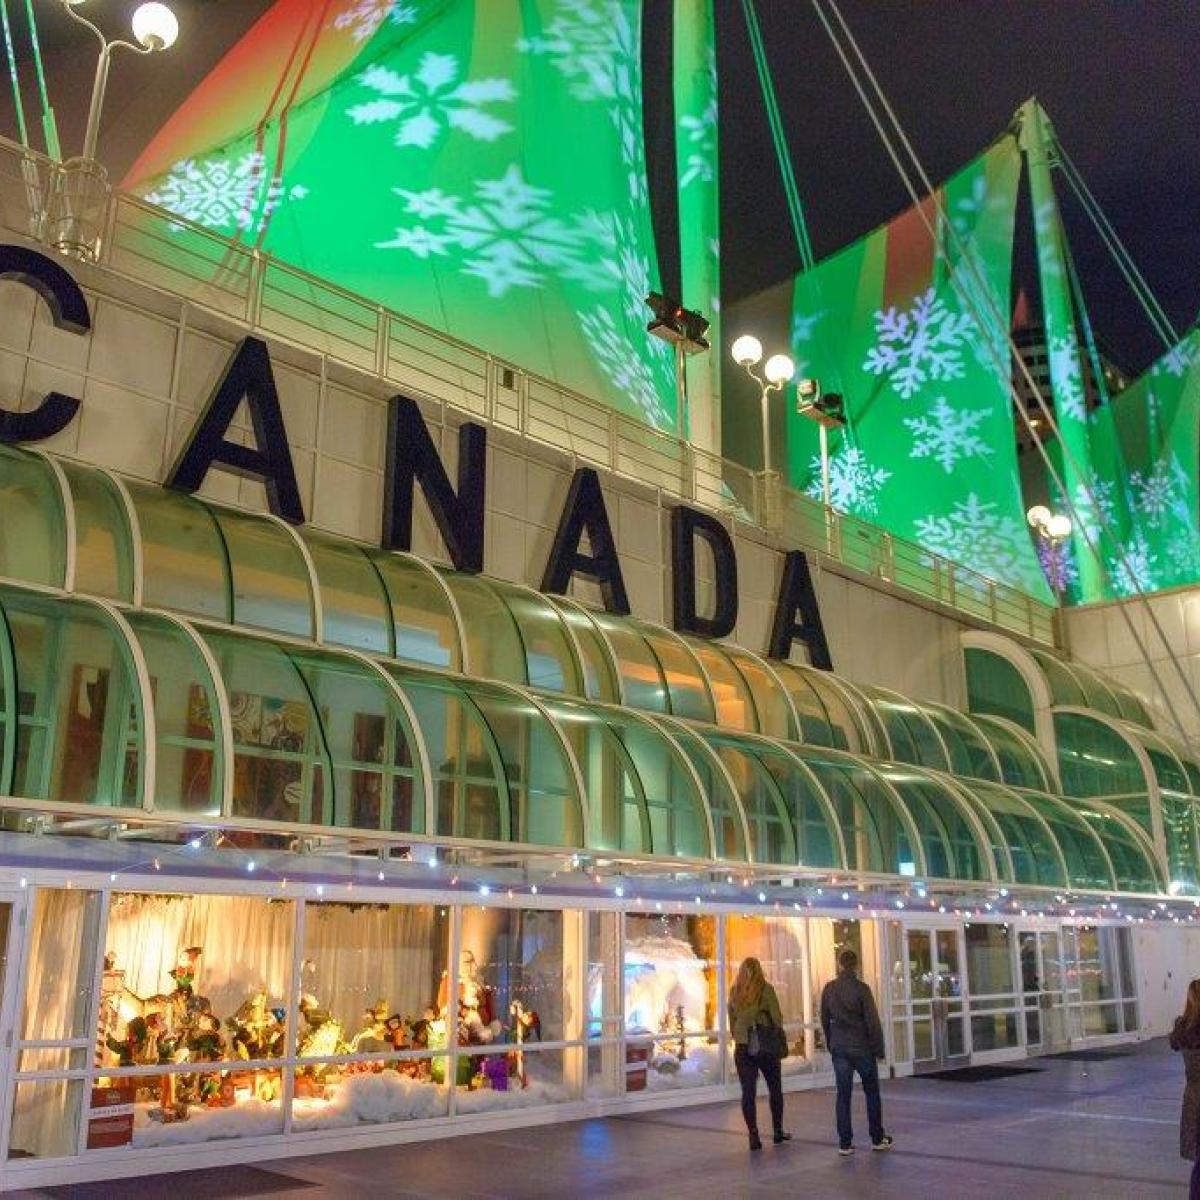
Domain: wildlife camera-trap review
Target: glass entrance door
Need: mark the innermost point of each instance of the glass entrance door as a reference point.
(1042, 989)
(10, 957)
(939, 1027)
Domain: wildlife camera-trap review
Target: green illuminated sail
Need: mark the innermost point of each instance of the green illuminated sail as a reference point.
(475, 164)
(921, 359)
(1142, 505)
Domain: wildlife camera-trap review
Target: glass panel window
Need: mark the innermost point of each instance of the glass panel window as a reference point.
(643, 685)
(33, 534)
(1064, 686)
(604, 1013)
(550, 662)
(1020, 761)
(671, 1017)
(372, 1009)
(781, 945)
(770, 699)
(426, 631)
(687, 688)
(493, 643)
(271, 585)
(78, 704)
(993, 988)
(995, 685)
(734, 705)
(103, 551)
(188, 766)
(599, 681)
(771, 834)
(950, 840)
(193, 980)
(280, 767)
(722, 800)
(184, 561)
(354, 604)
(817, 725)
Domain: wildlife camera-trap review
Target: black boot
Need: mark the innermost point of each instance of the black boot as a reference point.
(781, 1136)
(755, 1140)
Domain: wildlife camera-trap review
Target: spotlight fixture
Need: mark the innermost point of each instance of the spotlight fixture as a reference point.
(676, 325)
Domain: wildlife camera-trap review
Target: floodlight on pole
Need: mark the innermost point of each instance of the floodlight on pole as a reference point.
(827, 410)
(684, 331)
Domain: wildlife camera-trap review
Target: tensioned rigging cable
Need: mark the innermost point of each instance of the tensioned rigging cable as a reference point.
(970, 302)
(12, 72)
(1112, 242)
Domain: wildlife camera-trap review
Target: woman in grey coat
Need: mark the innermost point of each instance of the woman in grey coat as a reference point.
(1185, 1038)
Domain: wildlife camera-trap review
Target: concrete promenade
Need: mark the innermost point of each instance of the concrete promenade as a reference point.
(1084, 1125)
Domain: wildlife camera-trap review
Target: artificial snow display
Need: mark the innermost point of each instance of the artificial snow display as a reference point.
(370, 1099)
(701, 1067)
(250, 1118)
(427, 156)
(663, 977)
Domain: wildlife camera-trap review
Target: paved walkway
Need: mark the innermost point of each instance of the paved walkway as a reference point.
(1086, 1125)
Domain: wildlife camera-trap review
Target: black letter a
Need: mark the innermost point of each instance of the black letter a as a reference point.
(797, 598)
(247, 377)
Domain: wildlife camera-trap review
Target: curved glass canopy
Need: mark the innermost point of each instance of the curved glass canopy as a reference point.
(232, 670)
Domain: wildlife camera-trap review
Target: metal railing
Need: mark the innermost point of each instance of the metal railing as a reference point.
(150, 245)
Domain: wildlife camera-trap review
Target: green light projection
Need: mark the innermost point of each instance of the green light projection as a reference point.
(476, 165)
(928, 451)
(1141, 502)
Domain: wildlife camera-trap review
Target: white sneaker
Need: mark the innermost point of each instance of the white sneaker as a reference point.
(884, 1143)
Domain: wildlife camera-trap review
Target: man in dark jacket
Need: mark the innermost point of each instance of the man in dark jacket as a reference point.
(854, 1037)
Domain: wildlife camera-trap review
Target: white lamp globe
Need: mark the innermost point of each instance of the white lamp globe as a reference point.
(746, 350)
(155, 26)
(1059, 526)
(779, 368)
(1038, 516)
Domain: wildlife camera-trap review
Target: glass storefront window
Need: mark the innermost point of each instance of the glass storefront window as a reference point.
(604, 1020)
(671, 1019)
(993, 994)
(192, 980)
(369, 1015)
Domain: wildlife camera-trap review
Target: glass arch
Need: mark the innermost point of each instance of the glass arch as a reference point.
(355, 611)
(1088, 864)
(33, 534)
(1035, 854)
(82, 725)
(777, 716)
(971, 754)
(643, 795)
(996, 687)
(877, 828)
(914, 737)
(104, 552)
(734, 703)
(1019, 757)
(426, 624)
(826, 715)
(501, 771)
(1128, 845)
(772, 836)
(953, 846)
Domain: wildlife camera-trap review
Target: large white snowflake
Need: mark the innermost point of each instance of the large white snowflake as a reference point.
(507, 237)
(1094, 504)
(948, 435)
(1160, 491)
(596, 46)
(642, 381)
(431, 101)
(223, 194)
(1134, 569)
(1183, 554)
(923, 344)
(1066, 379)
(976, 534)
(362, 18)
(1178, 359)
(854, 481)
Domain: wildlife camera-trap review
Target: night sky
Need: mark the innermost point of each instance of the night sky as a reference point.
(1117, 76)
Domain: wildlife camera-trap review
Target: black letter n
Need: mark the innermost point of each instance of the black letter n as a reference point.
(413, 458)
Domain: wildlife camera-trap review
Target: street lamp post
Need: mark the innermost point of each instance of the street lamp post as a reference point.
(84, 180)
(1052, 530)
(747, 352)
(827, 411)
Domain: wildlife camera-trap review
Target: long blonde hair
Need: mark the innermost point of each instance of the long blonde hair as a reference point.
(748, 987)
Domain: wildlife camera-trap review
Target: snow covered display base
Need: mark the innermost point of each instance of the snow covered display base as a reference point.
(371, 1099)
(251, 1118)
(488, 1100)
(700, 1068)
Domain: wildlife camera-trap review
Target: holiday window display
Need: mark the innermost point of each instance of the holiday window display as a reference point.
(670, 1002)
(191, 980)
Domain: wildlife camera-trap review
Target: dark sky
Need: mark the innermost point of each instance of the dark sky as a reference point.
(1117, 76)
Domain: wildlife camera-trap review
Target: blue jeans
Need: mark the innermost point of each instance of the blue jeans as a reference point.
(844, 1066)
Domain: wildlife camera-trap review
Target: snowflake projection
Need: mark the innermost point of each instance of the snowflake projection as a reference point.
(1160, 492)
(1066, 379)
(1183, 555)
(1134, 569)
(854, 482)
(431, 101)
(920, 345)
(967, 209)
(596, 47)
(630, 373)
(1094, 505)
(948, 435)
(363, 18)
(804, 326)
(701, 134)
(976, 534)
(507, 237)
(1046, 228)
(228, 195)
(1178, 359)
